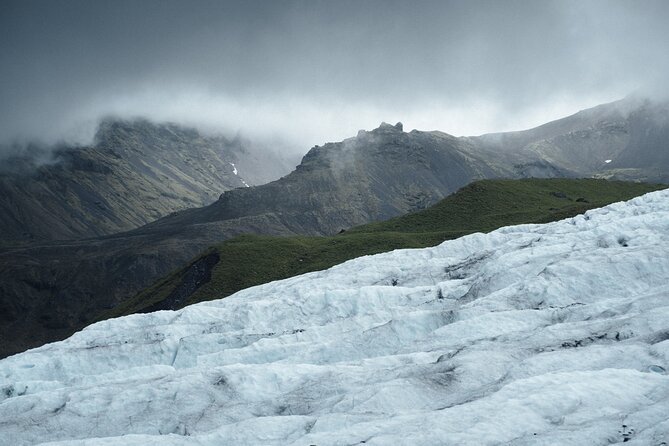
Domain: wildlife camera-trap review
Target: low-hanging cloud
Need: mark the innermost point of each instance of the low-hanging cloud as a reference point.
(306, 72)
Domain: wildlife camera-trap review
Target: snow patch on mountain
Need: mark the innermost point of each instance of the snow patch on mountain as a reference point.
(236, 172)
(531, 334)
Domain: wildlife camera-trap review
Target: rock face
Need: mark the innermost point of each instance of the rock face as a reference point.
(199, 273)
(136, 172)
(535, 334)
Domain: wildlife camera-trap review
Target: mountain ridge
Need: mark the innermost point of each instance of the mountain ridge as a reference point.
(376, 175)
(630, 133)
(135, 172)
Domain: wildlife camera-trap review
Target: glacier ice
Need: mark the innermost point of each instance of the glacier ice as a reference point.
(532, 334)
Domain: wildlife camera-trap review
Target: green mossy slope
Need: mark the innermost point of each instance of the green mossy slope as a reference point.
(482, 206)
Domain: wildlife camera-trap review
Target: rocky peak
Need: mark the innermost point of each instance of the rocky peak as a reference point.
(385, 127)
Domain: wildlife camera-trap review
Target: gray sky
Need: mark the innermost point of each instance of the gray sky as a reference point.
(308, 72)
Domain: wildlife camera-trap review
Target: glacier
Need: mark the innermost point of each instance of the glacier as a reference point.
(554, 334)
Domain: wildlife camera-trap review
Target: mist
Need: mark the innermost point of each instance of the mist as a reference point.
(299, 73)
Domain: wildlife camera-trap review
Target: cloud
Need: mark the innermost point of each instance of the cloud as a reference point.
(306, 72)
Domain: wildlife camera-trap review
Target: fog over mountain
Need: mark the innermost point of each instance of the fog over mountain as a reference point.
(299, 73)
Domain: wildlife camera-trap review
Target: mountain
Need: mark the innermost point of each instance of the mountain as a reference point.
(626, 140)
(48, 290)
(138, 171)
(482, 206)
(134, 173)
(531, 334)
(375, 176)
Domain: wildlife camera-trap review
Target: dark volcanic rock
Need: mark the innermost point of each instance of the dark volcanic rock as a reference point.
(197, 274)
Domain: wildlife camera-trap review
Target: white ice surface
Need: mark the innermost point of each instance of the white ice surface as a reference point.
(532, 334)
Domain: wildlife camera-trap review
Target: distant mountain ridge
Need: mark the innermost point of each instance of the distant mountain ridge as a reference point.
(134, 173)
(626, 140)
(387, 172)
(374, 176)
(138, 171)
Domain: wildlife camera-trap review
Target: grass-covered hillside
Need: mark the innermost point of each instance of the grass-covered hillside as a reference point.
(482, 206)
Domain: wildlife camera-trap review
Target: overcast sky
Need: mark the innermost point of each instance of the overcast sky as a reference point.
(308, 72)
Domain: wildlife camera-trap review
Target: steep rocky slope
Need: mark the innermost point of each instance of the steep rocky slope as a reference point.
(136, 172)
